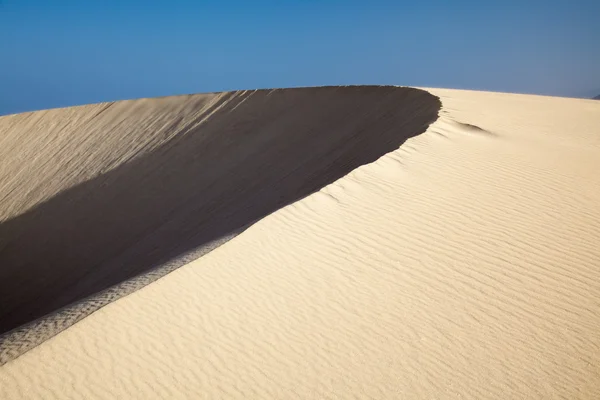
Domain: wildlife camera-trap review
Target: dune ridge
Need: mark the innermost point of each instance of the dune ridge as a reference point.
(462, 265)
(186, 171)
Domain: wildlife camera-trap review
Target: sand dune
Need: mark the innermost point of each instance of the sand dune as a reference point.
(462, 265)
(185, 171)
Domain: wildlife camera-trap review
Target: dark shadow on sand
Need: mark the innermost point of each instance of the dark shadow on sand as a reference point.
(258, 153)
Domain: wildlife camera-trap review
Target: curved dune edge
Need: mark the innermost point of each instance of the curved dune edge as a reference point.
(463, 265)
(167, 180)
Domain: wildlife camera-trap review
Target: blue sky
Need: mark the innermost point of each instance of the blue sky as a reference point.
(59, 53)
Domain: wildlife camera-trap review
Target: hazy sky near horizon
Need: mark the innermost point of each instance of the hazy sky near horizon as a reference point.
(60, 53)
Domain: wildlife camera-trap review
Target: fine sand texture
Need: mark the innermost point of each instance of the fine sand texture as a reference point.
(463, 265)
(95, 195)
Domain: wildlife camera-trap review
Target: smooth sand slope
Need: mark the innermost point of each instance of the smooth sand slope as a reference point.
(465, 265)
(97, 194)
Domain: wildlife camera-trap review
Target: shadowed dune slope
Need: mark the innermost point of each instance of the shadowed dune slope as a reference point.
(94, 195)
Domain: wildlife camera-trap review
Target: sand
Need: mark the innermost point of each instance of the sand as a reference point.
(187, 171)
(464, 264)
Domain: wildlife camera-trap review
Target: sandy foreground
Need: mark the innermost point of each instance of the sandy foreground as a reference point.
(464, 264)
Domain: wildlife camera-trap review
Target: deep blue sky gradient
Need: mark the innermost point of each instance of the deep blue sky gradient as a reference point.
(60, 53)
